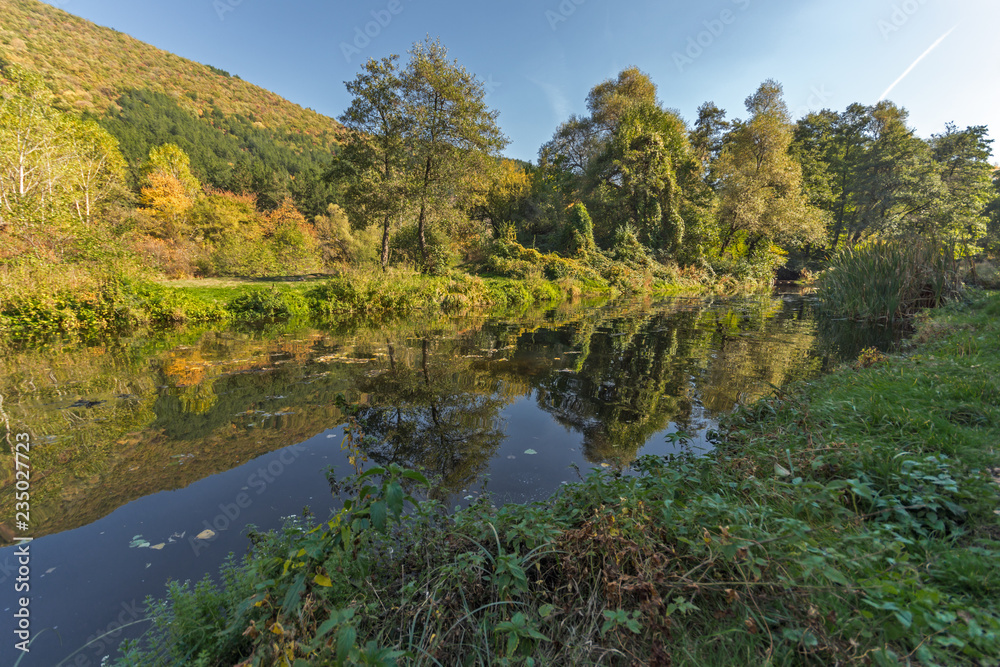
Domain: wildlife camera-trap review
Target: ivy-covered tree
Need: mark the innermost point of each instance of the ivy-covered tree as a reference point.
(636, 176)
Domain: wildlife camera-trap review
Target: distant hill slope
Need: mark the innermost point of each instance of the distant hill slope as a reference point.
(88, 67)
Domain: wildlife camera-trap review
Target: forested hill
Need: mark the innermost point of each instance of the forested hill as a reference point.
(90, 68)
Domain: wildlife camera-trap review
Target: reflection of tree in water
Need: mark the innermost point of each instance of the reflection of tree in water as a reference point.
(757, 344)
(438, 413)
(627, 387)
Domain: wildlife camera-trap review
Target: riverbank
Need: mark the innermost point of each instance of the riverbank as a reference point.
(851, 520)
(93, 303)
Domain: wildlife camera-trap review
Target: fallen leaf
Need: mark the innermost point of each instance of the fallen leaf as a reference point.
(323, 580)
(158, 546)
(205, 535)
(530, 452)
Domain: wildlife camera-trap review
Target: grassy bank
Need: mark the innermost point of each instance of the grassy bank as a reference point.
(89, 303)
(83, 301)
(850, 521)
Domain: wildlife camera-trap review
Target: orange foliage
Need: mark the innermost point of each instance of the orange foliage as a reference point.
(165, 195)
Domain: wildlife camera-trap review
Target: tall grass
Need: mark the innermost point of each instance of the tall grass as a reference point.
(888, 280)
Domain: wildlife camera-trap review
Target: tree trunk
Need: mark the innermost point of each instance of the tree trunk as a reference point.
(423, 212)
(423, 363)
(385, 243)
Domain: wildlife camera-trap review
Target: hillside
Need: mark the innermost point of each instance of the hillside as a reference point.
(88, 68)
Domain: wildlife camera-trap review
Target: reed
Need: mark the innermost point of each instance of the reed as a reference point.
(888, 280)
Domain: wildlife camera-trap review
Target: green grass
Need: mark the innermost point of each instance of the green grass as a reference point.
(124, 302)
(848, 521)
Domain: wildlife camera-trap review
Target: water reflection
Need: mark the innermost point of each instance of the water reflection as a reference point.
(459, 397)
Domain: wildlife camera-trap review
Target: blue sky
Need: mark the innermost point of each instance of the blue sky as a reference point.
(540, 59)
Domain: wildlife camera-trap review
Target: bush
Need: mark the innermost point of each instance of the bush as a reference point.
(267, 305)
(406, 250)
(626, 247)
(341, 245)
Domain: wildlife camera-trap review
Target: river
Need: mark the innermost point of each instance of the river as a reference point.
(142, 444)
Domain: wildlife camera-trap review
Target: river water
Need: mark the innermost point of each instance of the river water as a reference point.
(140, 445)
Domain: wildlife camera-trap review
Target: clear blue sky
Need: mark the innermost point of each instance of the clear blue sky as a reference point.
(541, 58)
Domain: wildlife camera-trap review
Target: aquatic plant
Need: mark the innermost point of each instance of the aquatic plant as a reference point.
(888, 280)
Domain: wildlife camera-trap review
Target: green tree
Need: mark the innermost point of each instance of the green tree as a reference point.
(707, 135)
(760, 191)
(610, 100)
(373, 160)
(220, 213)
(843, 154)
(97, 168)
(268, 185)
(962, 157)
(992, 240)
(452, 130)
(813, 146)
(32, 136)
(502, 194)
(895, 182)
(637, 173)
(53, 166)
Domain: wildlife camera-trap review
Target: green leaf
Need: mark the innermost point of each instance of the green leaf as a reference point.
(291, 601)
(416, 477)
(327, 626)
(394, 498)
(378, 515)
(512, 641)
(345, 642)
(323, 580)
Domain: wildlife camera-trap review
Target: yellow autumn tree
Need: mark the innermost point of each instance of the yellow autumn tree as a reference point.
(165, 199)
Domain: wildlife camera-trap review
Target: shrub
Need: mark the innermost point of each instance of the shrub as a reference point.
(626, 247)
(267, 305)
(339, 244)
(406, 248)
